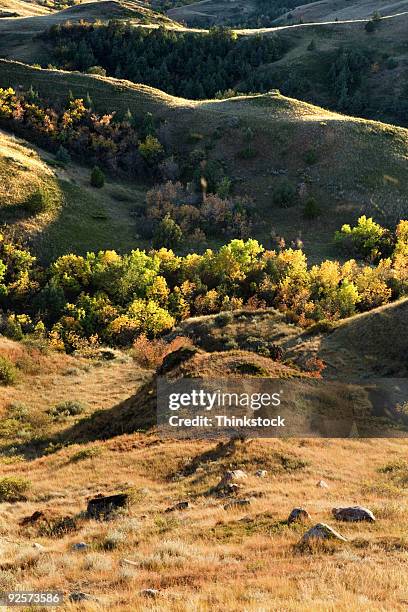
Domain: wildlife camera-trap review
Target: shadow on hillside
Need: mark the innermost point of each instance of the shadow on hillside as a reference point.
(370, 345)
(137, 413)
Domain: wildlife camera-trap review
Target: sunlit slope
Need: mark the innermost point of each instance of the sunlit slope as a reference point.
(22, 172)
(21, 8)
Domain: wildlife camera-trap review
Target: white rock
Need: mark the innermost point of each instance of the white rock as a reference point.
(322, 484)
(231, 476)
(261, 473)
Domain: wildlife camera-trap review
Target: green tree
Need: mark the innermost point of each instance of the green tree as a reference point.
(168, 234)
(151, 150)
(97, 178)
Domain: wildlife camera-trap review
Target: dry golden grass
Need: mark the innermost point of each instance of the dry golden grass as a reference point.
(206, 557)
(47, 379)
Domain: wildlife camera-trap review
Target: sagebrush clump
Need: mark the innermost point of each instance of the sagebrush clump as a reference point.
(13, 488)
(8, 371)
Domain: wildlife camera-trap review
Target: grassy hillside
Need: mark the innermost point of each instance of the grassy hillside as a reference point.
(370, 344)
(343, 10)
(338, 65)
(377, 89)
(350, 352)
(22, 173)
(217, 12)
(212, 12)
(289, 141)
(80, 218)
(18, 35)
(193, 557)
(21, 8)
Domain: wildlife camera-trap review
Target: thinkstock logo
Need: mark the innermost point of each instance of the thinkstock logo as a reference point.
(264, 407)
(217, 401)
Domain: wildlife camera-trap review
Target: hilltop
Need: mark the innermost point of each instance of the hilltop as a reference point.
(360, 351)
(369, 344)
(341, 10)
(204, 13)
(337, 64)
(289, 140)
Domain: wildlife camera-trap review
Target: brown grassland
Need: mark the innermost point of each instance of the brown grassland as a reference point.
(76, 426)
(204, 557)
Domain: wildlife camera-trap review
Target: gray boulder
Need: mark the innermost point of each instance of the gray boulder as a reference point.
(182, 505)
(261, 473)
(353, 514)
(299, 515)
(321, 531)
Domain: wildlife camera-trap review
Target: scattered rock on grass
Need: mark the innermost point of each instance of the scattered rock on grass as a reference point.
(183, 505)
(321, 531)
(236, 503)
(261, 473)
(230, 477)
(353, 514)
(80, 546)
(299, 515)
(229, 490)
(322, 484)
(152, 593)
(78, 596)
(102, 508)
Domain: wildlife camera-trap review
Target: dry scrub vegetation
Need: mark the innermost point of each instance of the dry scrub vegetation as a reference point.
(203, 557)
(206, 557)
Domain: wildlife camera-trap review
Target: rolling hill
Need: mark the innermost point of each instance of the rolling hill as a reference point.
(76, 207)
(80, 425)
(21, 8)
(22, 173)
(18, 36)
(340, 10)
(335, 64)
(291, 141)
(212, 12)
(365, 352)
(218, 12)
(376, 89)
